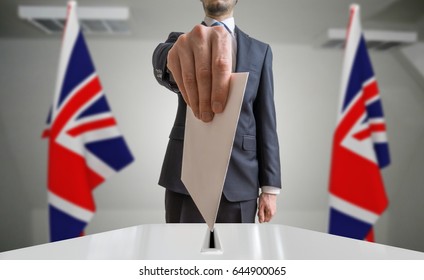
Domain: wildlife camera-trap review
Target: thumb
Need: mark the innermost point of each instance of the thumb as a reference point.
(261, 213)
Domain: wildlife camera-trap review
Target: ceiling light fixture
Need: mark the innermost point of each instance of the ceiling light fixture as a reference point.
(94, 20)
(376, 39)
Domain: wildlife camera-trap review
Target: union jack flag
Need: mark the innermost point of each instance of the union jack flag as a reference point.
(360, 147)
(85, 146)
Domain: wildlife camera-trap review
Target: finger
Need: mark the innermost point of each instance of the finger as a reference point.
(175, 69)
(267, 215)
(173, 65)
(189, 77)
(202, 57)
(221, 69)
(261, 213)
(181, 65)
(261, 216)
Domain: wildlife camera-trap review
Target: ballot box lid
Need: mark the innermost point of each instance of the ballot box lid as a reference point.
(230, 241)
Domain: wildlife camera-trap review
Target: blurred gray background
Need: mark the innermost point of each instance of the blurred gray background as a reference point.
(307, 82)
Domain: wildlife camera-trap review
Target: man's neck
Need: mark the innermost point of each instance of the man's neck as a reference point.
(221, 17)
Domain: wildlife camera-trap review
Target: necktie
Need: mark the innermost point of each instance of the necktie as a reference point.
(218, 23)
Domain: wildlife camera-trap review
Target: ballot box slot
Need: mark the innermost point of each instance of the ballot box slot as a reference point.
(212, 240)
(211, 243)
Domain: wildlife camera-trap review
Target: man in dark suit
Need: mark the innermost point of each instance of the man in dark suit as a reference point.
(197, 66)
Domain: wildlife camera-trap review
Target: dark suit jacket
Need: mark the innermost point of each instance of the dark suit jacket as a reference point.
(255, 158)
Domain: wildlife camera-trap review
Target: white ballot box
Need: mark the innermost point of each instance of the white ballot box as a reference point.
(230, 242)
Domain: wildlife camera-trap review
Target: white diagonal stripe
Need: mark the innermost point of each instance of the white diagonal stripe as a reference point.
(353, 210)
(70, 208)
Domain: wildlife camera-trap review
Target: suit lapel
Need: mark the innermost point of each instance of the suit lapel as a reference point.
(243, 49)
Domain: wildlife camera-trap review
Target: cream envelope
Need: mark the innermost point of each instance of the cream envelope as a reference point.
(207, 151)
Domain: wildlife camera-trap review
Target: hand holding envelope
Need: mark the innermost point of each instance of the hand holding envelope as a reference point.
(207, 151)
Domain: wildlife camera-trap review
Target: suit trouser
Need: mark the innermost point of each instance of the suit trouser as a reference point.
(180, 208)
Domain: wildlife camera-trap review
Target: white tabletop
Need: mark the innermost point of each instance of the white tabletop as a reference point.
(191, 241)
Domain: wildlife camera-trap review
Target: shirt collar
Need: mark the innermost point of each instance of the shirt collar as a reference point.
(229, 22)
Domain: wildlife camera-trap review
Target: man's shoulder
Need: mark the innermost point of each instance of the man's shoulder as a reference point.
(252, 39)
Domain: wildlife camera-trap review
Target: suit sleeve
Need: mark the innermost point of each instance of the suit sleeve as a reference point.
(268, 146)
(159, 61)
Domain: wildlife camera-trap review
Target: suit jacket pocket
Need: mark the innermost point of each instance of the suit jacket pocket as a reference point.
(249, 143)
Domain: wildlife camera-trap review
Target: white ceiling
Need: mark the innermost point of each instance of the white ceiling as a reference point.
(278, 21)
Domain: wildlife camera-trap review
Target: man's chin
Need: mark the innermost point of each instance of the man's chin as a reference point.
(217, 9)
